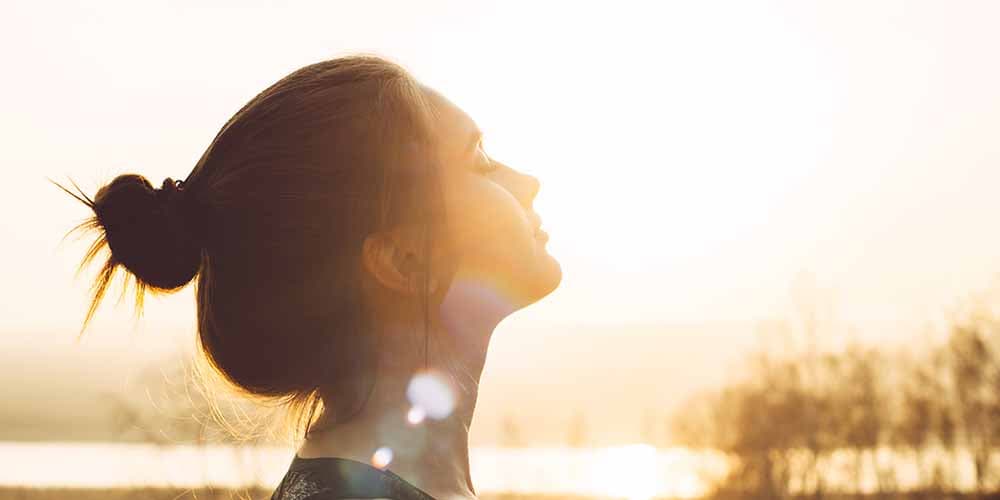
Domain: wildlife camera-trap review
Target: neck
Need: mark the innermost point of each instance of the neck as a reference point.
(433, 454)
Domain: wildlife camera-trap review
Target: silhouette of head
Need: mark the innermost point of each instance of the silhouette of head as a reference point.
(344, 193)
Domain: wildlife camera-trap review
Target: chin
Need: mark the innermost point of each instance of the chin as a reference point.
(555, 275)
(545, 279)
(517, 286)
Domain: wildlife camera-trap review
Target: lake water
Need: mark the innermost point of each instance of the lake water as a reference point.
(635, 471)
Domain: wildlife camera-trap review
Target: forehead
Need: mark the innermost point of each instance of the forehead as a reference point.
(454, 128)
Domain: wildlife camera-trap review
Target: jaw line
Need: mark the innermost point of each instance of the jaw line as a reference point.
(472, 305)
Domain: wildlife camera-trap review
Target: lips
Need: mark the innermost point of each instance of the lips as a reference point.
(537, 222)
(539, 232)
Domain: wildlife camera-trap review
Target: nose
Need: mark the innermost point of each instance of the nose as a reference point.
(524, 187)
(527, 189)
(533, 186)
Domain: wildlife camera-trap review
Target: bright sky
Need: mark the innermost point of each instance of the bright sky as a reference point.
(695, 157)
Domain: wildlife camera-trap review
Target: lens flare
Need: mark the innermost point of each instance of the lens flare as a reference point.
(382, 457)
(416, 415)
(432, 394)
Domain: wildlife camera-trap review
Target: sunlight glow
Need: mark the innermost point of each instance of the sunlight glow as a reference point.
(630, 472)
(685, 172)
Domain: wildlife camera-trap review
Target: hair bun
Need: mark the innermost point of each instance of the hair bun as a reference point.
(147, 231)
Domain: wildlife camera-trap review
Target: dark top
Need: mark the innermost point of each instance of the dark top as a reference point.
(327, 478)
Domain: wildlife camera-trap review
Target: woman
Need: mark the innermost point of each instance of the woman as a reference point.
(355, 247)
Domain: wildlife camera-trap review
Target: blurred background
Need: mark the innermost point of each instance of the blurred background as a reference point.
(776, 221)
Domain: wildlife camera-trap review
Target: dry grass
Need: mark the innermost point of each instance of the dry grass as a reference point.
(28, 493)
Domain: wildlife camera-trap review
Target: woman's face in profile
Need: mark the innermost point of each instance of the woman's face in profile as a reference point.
(494, 235)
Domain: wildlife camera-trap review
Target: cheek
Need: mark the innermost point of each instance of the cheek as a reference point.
(488, 228)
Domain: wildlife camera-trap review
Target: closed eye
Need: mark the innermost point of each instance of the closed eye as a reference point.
(483, 161)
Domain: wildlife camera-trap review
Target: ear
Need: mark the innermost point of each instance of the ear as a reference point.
(395, 259)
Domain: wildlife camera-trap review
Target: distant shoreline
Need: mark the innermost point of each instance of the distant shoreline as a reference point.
(29, 493)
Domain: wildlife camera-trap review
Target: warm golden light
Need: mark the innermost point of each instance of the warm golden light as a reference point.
(779, 182)
(629, 472)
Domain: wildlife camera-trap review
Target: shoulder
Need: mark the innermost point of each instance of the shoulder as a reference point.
(339, 478)
(303, 485)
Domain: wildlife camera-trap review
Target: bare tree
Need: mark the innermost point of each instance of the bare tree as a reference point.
(974, 369)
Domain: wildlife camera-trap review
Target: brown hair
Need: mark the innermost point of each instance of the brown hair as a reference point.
(272, 220)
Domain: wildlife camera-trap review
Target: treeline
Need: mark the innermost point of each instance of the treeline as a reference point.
(820, 423)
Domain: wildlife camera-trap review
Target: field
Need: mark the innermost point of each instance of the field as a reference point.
(27, 493)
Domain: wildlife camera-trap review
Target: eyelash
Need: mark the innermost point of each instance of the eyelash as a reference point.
(490, 165)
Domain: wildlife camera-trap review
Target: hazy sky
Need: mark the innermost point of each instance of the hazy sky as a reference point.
(695, 157)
